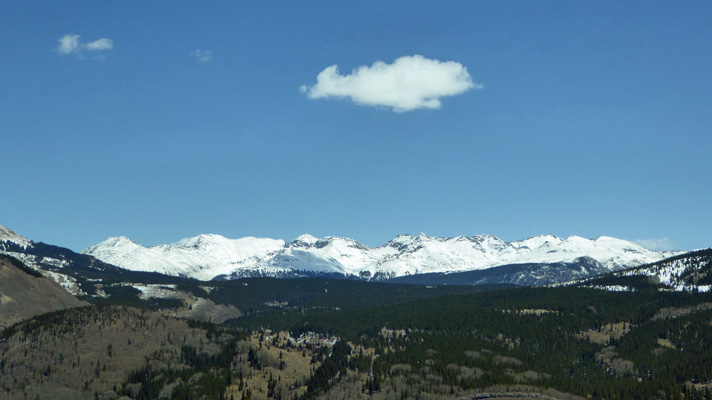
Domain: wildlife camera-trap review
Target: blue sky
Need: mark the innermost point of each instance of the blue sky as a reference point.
(165, 120)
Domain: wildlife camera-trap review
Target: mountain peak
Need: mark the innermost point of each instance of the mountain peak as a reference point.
(607, 240)
(304, 240)
(9, 235)
(200, 240)
(119, 240)
(307, 238)
(117, 244)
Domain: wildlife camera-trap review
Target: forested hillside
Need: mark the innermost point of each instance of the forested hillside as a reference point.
(581, 341)
(627, 335)
(25, 292)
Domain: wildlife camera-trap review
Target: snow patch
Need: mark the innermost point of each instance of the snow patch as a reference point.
(10, 236)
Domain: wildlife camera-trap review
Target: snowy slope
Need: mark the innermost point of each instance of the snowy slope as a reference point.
(10, 236)
(685, 272)
(17, 246)
(209, 256)
(201, 257)
(691, 271)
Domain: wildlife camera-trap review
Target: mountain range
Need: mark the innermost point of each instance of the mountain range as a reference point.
(207, 257)
(476, 260)
(640, 331)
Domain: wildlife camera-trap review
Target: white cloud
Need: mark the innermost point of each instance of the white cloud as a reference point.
(101, 44)
(411, 82)
(70, 44)
(202, 55)
(656, 244)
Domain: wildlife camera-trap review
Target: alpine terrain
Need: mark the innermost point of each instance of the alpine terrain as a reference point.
(207, 257)
(639, 332)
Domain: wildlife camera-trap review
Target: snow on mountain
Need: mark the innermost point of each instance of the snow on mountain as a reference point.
(689, 271)
(328, 255)
(10, 236)
(209, 256)
(685, 272)
(202, 257)
(17, 246)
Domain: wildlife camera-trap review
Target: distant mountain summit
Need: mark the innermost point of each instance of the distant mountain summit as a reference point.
(201, 257)
(208, 257)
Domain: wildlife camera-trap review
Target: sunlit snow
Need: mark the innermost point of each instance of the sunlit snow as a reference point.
(208, 256)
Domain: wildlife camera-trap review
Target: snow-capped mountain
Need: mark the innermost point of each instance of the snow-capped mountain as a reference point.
(685, 272)
(201, 257)
(208, 257)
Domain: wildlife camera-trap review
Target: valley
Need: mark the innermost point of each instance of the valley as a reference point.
(349, 200)
(638, 332)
